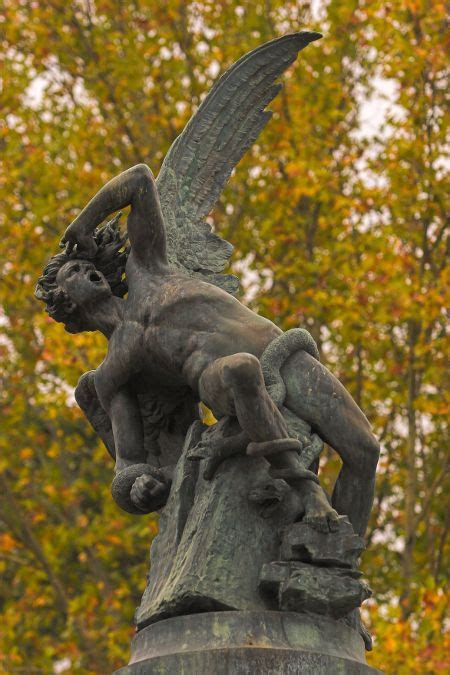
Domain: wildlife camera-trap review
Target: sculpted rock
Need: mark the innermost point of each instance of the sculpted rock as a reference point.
(212, 540)
(340, 547)
(307, 588)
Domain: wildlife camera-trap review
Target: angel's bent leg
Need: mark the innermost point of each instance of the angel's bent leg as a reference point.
(87, 398)
(234, 385)
(318, 397)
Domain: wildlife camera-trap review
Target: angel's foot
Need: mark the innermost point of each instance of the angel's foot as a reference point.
(291, 473)
(215, 451)
(318, 512)
(209, 447)
(324, 521)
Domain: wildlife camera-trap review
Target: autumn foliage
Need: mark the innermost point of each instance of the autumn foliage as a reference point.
(338, 215)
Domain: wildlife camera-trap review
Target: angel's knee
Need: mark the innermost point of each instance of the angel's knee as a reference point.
(141, 172)
(85, 389)
(371, 455)
(243, 372)
(362, 454)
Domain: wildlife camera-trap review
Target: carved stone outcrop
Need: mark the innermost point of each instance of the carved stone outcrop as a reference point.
(300, 587)
(212, 540)
(317, 570)
(341, 547)
(217, 556)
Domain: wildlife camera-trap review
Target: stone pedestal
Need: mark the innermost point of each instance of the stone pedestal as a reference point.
(246, 643)
(229, 556)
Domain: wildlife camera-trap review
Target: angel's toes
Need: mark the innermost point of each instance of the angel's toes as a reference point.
(333, 520)
(264, 448)
(322, 518)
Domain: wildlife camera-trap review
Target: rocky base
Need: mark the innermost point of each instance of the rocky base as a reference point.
(244, 643)
(307, 588)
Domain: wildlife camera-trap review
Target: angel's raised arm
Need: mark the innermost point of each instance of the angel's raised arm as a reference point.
(146, 231)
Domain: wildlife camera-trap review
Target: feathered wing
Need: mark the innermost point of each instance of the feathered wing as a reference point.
(202, 158)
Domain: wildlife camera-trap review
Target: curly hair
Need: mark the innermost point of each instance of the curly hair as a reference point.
(110, 259)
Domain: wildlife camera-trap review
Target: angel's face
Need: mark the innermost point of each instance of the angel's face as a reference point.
(82, 282)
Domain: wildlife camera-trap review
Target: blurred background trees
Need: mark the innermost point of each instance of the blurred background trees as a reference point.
(338, 215)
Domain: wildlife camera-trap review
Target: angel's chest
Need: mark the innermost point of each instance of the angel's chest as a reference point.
(142, 357)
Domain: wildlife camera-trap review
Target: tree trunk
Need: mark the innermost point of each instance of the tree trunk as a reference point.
(411, 477)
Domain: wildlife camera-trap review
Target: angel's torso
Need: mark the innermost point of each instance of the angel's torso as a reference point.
(176, 326)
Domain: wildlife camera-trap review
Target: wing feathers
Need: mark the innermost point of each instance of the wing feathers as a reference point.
(202, 158)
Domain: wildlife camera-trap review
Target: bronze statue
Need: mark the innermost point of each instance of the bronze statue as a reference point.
(244, 525)
(179, 335)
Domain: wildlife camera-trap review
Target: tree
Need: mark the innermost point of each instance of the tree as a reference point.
(335, 230)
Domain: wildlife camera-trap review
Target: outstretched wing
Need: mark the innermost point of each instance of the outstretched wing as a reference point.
(202, 158)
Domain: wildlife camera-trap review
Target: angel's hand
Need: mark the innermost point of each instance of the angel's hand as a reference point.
(77, 236)
(149, 493)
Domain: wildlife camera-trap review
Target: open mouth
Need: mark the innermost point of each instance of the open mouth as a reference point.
(96, 278)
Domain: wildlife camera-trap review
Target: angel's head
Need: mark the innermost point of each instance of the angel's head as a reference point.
(72, 287)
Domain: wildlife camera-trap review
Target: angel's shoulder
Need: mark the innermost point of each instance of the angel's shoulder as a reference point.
(176, 286)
